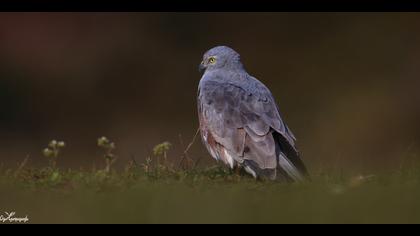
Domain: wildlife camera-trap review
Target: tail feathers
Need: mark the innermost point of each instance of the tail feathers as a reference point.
(289, 169)
(290, 165)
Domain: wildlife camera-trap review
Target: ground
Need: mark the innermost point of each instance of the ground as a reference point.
(166, 193)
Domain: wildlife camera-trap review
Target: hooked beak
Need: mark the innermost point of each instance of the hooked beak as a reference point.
(201, 67)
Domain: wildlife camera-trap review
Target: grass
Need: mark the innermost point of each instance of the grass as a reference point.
(161, 192)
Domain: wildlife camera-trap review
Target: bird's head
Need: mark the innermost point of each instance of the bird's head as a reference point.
(220, 57)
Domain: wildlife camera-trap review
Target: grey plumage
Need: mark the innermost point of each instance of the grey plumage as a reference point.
(240, 122)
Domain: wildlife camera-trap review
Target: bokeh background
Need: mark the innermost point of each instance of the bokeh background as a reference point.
(346, 83)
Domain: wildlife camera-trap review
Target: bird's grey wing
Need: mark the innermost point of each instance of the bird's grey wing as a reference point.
(288, 155)
(235, 123)
(262, 103)
(228, 110)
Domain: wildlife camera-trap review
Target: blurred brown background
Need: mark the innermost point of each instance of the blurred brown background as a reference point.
(346, 83)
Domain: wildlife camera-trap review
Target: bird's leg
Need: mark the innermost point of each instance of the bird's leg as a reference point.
(237, 170)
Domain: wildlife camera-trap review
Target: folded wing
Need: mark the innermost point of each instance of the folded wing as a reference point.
(246, 125)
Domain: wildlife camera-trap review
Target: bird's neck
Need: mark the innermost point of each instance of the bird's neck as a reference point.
(227, 75)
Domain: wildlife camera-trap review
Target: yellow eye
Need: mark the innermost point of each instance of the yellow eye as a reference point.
(212, 60)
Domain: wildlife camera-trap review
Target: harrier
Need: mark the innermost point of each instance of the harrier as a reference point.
(240, 123)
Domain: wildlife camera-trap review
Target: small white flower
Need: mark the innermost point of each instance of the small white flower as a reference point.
(53, 144)
(61, 144)
(47, 152)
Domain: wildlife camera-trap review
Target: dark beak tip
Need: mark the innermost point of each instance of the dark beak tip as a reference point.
(201, 68)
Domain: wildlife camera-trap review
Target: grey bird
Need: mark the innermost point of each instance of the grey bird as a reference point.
(240, 123)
